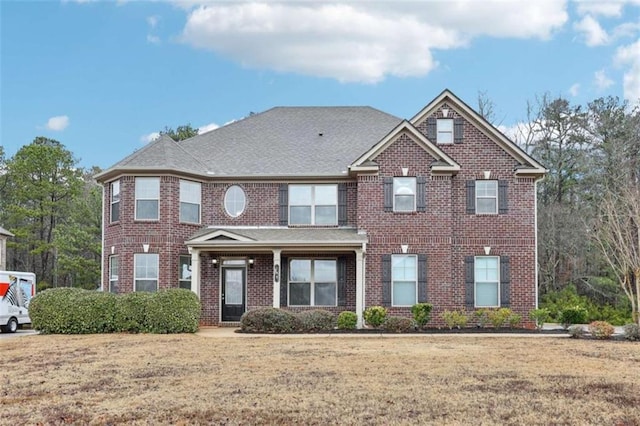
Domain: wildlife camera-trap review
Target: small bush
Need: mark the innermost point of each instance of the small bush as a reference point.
(499, 317)
(539, 316)
(514, 320)
(347, 320)
(632, 332)
(398, 324)
(421, 313)
(455, 319)
(375, 315)
(481, 316)
(269, 320)
(576, 331)
(601, 330)
(316, 320)
(573, 315)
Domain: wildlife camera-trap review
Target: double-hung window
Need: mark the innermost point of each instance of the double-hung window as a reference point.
(404, 275)
(313, 282)
(115, 201)
(184, 272)
(487, 281)
(313, 204)
(404, 194)
(145, 271)
(147, 198)
(445, 130)
(486, 197)
(190, 195)
(113, 274)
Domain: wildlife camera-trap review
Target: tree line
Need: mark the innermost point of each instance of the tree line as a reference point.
(588, 204)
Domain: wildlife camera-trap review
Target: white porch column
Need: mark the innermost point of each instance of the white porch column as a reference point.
(276, 277)
(359, 286)
(195, 271)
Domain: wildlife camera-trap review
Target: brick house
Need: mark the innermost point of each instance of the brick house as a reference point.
(337, 208)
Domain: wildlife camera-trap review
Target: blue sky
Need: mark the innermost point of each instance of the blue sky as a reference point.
(102, 77)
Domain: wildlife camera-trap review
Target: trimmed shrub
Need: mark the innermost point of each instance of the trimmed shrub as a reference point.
(573, 315)
(421, 313)
(601, 330)
(398, 324)
(576, 331)
(632, 332)
(375, 315)
(347, 320)
(455, 319)
(316, 320)
(78, 311)
(269, 320)
(499, 317)
(482, 317)
(539, 316)
(514, 320)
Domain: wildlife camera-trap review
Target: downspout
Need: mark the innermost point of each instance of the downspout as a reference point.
(535, 224)
(102, 251)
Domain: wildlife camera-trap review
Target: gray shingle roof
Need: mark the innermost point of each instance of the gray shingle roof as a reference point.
(280, 142)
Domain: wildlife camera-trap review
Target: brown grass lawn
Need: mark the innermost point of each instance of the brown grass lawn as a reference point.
(190, 379)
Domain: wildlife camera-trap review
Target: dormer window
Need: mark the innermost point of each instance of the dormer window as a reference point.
(445, 130)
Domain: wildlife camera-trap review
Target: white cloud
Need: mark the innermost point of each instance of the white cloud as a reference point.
(601, 80)
(592, 32)
(630, 56)
(609, 8)
(145, 139)
(58, 123)
(153, 21)
(153, 39)
(360, 41)
(574, 89)
(207, 128)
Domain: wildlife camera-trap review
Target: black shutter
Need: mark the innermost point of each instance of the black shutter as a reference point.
(432, 129)
(284, 281)
(422, 279)
(388, 194)
(421, 194)
(458, 130)
(503, 202)
(342, 204)
(283, 204)
(471, 196)
(386, 280)
(505, 282)
(342, 281)
(469, 281)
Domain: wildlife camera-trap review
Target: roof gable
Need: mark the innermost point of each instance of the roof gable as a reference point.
(528, 165)
(443, 163)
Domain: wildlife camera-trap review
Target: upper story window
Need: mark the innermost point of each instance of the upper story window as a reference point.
(445, 130)
(487, 281)
(313, 204)
(235, 201)
(404, 277)
(115, 201)
(486, 197)
(147, 198)
(404, 194)
(313, 282)
(190, 195)
(145, 271)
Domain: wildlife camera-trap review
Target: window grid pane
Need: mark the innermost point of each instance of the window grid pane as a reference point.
(486, 197)
(190, 192)
(146, 272)
(404, 275)
(313, 204)
(147, 198)
(313, 282)
(235, 201)
(189, 212)
(487, 281)
(184, 272)
(445, 130)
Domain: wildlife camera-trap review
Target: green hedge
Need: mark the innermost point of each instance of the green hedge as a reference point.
(78, 311)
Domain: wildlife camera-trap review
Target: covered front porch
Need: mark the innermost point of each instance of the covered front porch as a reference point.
(235, 269)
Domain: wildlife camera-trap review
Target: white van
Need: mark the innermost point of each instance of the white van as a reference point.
(16, 291)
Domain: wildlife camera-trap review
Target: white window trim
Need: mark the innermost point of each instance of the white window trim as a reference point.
(117, 276)
(486, 198)
(199, 203)
(136, 199)
(393, 281)
(312, 282)
(313, 206)
(415, 196)
(224, 201)
(135, 278)
(439, 132)
(114, 202)
(475, 281)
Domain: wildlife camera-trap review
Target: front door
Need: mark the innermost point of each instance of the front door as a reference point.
(233, 293)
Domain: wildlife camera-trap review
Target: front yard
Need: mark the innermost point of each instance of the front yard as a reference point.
(190, 379)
